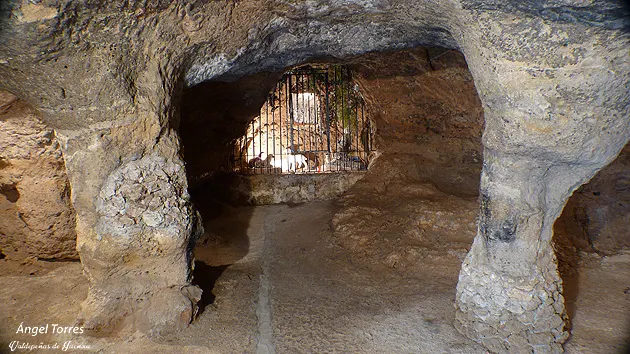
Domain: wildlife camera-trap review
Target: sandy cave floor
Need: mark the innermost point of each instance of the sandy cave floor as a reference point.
(276, 280)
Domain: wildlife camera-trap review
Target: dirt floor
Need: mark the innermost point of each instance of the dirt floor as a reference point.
(277, 280)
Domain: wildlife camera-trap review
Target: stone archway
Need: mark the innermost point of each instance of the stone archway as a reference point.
(552, 79)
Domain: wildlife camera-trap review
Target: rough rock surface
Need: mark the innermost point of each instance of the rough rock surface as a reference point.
(556, 111)
(403, 223)
(427, 113)
(124, 209)
(419, 196)
(146, 219)
(321, 298)
(36, 217)
(597, 216)
(552, 77)
(267, 189)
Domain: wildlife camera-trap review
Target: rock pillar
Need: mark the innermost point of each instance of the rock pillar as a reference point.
(556, 107)
(135, 223)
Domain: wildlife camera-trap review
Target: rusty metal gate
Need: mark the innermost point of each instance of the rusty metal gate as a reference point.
(314, 121)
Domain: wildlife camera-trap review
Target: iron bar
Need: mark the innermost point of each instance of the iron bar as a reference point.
(356, 131)
(269, 98)
(291, 115)
(273, 131)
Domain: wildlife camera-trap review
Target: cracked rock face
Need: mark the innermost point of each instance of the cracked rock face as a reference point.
(507, 315)
(144, 214)
(552, 77)
(141, 196)
(36, 217)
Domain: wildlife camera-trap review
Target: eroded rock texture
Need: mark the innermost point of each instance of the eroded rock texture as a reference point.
(36, 218)
(552, 76)
(427, 113)
(546, 133)
(419, 196)
(597, 216)
(266, 189)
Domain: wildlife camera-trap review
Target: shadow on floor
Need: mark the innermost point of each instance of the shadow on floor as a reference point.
(224, 241)
(568, 265)
(205, 277)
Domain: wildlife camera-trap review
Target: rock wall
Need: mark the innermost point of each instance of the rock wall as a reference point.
(542, 139)
(418, 199)
(597, 215)
(552, 77)
(274, 189)
(36, 216)
(428, 116)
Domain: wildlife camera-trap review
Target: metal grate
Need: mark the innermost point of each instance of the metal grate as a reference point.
(313, 122)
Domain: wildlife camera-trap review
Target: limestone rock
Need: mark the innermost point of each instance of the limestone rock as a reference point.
(597, 216)
(36, 217)
(552, 78)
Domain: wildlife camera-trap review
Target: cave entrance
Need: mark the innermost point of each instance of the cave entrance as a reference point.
(313, 121)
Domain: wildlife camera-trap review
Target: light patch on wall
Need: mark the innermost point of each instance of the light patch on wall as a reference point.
(305, 108)
(35, 12)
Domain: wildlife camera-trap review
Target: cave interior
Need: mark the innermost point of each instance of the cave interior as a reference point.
(360, 191)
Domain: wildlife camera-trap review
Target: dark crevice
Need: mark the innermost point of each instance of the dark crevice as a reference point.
(205, 277)
(4, 163)
(10, 192)
(56, 260)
